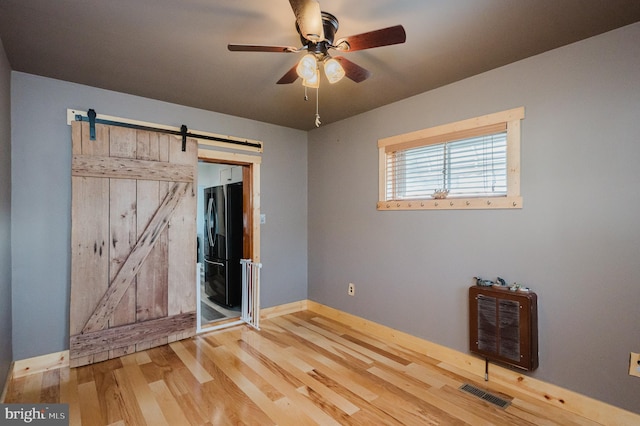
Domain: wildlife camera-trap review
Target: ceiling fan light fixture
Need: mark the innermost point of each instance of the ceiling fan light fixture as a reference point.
(307, 67)
(313, 81)
(333, 70)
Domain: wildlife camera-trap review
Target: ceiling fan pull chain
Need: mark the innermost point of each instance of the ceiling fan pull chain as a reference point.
(317, 113)
(306, 97)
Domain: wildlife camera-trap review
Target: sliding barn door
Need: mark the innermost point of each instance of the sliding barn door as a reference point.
(133, 237)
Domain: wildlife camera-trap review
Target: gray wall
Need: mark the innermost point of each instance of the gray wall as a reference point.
(41, 204)
(5, 215)
(576, 242)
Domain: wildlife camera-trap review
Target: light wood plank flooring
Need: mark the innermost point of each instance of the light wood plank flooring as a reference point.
(300, 369)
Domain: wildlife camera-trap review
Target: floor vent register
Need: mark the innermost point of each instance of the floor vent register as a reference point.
(477, 392)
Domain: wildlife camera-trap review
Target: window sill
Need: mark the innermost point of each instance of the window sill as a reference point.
(453, 204)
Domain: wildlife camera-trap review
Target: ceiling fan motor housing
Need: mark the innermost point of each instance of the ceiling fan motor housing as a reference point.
(330, 27)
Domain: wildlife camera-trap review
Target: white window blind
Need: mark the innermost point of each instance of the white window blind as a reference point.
(470, 167)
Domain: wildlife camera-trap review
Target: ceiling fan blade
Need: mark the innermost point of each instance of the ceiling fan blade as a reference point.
(371, 39)
(353, 71)
(290, 76)
(308, 18)
(258, 48)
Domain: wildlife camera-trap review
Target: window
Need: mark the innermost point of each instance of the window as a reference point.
(470, 164)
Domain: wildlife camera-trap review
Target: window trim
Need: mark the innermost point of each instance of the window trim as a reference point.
(452, 131)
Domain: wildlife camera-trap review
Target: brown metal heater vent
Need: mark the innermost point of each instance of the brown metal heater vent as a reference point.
(503, 326)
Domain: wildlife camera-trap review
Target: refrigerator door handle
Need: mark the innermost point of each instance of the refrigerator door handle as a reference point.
(214, 263)
(210, 218)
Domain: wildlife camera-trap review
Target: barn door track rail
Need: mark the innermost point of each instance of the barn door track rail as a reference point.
(184, 133)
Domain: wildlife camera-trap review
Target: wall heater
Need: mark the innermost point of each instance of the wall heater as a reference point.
(503, 326)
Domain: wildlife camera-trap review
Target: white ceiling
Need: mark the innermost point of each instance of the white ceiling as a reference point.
(176, 50)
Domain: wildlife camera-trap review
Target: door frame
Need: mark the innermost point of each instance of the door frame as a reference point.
(251, 174)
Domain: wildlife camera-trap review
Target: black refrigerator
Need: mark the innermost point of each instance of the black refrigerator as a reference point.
(223, 233)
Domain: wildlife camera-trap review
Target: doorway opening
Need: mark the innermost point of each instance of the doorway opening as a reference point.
(220, 234)
(227, 231)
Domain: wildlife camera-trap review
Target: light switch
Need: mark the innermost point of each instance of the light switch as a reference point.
(263, 219)
(634, 364)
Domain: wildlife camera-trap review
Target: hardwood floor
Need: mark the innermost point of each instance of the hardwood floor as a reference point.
(300, 369)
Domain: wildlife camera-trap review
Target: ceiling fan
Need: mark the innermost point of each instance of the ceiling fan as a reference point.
(317, 31)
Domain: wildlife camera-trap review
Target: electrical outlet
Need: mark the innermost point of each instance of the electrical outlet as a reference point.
(352, 289)
(634, 364)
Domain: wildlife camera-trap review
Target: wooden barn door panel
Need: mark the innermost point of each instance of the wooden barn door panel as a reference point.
(183, 246)
(89, 235)
(152, 281)
(122, 228)
(133, 241)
